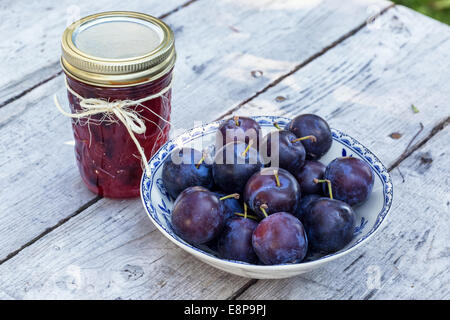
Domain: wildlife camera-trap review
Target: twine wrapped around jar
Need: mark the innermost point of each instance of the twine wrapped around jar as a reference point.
(131, 119)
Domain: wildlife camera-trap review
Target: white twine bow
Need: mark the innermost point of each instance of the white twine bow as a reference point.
(130, 118)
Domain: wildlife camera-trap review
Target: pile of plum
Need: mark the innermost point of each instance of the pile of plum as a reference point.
(235, 201)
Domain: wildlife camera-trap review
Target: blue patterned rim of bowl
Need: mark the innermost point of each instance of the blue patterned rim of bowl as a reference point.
(265, 121)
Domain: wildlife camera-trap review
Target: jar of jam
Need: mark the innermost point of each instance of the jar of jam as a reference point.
(118, 68)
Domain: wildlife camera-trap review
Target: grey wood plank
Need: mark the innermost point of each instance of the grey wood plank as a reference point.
(409, 257)
(367, 84)
(30, 52)
(236, 38)
(4, 296)
(45, 186)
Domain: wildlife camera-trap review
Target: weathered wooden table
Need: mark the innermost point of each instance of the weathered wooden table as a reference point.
(361, 64)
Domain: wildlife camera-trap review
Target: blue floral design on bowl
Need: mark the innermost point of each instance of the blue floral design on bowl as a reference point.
(158, 204)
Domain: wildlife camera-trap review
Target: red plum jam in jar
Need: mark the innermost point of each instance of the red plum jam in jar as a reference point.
(122, 59)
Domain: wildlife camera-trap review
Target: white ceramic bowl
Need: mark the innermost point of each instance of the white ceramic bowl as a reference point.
(370, 215)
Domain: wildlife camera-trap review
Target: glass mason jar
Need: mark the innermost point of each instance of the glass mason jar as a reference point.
(118, 57)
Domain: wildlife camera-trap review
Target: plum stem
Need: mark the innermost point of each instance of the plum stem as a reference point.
(245, 210)
(275, 173)
(236, 120)
(200, 162)
(276, 125)
(329, 185)
(233, 195)
(312, 138)
(246, 216)
(263, 208)
(246, 149)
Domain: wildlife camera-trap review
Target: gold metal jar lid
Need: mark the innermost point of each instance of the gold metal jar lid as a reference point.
(117, 49)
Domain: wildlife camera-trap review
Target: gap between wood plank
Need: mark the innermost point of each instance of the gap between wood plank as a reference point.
(20, 95)
(48, 230)
(440, 126)
(26, 91)
(188, 3)
(304, 63)
(242, 289)
(436, 129)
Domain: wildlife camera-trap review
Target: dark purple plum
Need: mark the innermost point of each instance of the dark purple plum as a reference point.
(329, 224)
(305, 177)
(235, 241)
(304, 204)
(185, 168)
(231, 205)
(311, 124)
(351, 179)
(236, 129)
(283, 149)
(273, 188)
(197, 215)
(233, 165)
(280, 238)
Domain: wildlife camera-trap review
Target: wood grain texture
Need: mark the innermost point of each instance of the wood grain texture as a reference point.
(111, 250)
(367, 84)
(408, 258)
(45, 186)
(219, 52)
(4, 296)
(31, 50)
